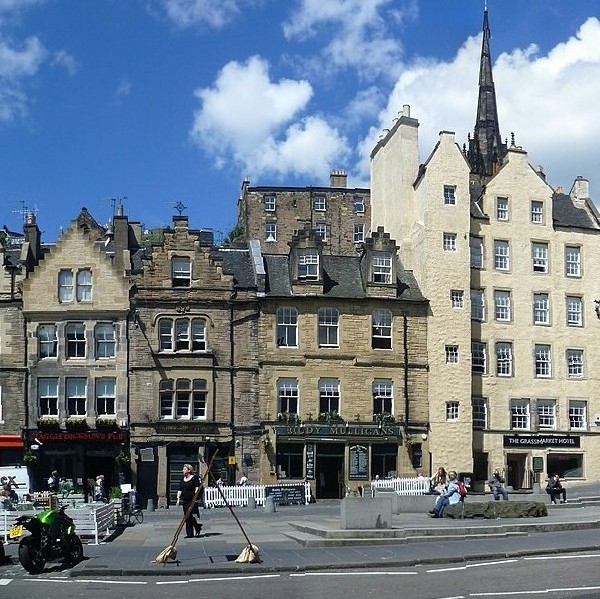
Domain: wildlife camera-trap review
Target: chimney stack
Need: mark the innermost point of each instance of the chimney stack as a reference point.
(338, 178)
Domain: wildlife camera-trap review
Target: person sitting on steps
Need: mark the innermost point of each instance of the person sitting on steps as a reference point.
(556, 490)
(450, 497)
(496, 485)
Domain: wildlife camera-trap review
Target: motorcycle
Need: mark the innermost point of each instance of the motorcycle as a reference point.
(52, 537)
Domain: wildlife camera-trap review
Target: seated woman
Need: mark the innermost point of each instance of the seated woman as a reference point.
(450, 497)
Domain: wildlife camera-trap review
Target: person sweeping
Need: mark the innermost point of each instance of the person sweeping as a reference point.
(189, 489)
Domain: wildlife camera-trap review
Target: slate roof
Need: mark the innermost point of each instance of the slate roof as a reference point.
(566, 214)
(239, 264)
(342, 279)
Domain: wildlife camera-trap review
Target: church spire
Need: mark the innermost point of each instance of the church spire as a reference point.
(486, 150)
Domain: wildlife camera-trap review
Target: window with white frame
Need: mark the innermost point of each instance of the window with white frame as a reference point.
(543, 360)
(572, 261)
(270, 202)
(75, 344)
(181, 272)
(574, 311)
(457, 298)
(537, 211)
(183, 399)
(476, 251)
(319, 203)
(383, 396)
(47, 341)
(308, 264)
(287, 396)
(546, 413)
(287, 327)
(181, 334)
(84, 285)
(329, 396)
(541, 308)
(358, 204)
(575, 363)
(329, 327)
(65, 286)
(501, 255)
(478, 357)
(76, 396)
(106, 397)
(477, 304)
(381, 264)
(270, 232)
(321, 231)
(502, 309)
(502, 208)
(359, 232)
(449, 243)
(451, 354)
(480, 412)
(519, 414)
(47, 389)
(539, 257)
(504, 358)
(104, 340)
(449, 195)
(381, 329)
(577, 414)
(452, 410)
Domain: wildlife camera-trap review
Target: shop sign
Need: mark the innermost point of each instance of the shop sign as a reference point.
(325, 430)
(310, 461)
(92, 436)
(542, 441)
(359, 462)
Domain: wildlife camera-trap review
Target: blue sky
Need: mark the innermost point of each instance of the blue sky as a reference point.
(166, 101)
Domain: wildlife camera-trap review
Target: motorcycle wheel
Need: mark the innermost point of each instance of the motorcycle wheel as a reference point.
(75, 551)
(31, 557)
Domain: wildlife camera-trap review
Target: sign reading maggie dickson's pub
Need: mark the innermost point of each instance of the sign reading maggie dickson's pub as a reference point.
(525, 441)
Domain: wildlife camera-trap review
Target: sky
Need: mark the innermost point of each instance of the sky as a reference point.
(158, 103)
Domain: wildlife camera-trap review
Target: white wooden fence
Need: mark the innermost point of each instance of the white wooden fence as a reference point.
(418, 485)
(239, 495)
(91, 521)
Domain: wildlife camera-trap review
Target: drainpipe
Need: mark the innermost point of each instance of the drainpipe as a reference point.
(232, 373)
(405, 344)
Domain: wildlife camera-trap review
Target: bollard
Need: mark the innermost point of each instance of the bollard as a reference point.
(269, 505)
(150, 505)
(252, 502)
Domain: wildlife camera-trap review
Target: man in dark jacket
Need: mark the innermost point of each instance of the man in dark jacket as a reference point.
(496, 484)
(555, 489)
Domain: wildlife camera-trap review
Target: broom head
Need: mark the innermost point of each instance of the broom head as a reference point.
(249, 555)
(166, 554)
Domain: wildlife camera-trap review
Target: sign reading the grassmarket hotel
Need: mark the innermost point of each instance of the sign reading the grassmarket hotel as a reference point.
(541, 441)
(341, 430)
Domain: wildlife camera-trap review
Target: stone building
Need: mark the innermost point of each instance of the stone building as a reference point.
(75, 311)
(193, 369)
(343, 366)
(341, 216)
(507, 265)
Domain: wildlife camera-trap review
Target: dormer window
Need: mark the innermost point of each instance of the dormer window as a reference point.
(381, 268)
(308, 264)
(181, 272)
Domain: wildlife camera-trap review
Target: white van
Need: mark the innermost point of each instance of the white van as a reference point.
(18, 477)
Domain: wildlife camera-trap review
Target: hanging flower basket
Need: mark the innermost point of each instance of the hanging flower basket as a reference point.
(29, 458)
(122, 458)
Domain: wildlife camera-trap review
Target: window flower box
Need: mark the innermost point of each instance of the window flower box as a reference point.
(76, 423)
(106, 424)
(48, 424)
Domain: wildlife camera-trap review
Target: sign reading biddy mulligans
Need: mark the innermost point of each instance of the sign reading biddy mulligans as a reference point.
(341, 430)
(524, 441)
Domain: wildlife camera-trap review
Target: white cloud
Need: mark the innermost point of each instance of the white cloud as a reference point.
(124, 88)
(548, 101)
(64, 59)
(17, 64)
(214, 14)
(259, 123)
(358, 32)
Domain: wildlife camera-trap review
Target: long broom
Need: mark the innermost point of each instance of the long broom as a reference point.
(170, 551)
(250, 553)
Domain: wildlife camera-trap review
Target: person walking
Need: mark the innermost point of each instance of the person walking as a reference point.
(99, 490)
(555, 489)
(53, 482)
(496, 485)
(189, 487)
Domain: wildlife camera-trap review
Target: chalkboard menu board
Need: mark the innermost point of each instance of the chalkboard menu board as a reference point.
(310, 461)
(359, 462)
(286, 494)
